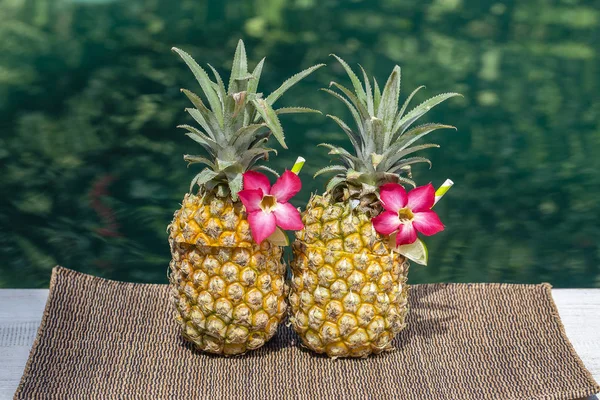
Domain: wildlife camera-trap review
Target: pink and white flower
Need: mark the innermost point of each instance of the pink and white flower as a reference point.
(407, 213)
(267, 206)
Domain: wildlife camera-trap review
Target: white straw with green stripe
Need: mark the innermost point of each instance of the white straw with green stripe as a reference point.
(298, 165)
(442, 190)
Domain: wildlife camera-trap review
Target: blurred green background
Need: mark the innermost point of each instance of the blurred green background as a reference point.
(91, 162)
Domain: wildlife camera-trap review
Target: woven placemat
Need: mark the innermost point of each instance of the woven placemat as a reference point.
(101, 339)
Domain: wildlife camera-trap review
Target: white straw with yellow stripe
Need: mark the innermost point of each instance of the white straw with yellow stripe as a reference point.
(298, 165)
(442, 190)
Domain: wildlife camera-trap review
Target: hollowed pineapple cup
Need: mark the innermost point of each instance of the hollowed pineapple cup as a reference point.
(349, 294)
(228, 292)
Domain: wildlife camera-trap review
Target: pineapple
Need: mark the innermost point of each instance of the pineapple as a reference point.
(349, 294)
(228, 291)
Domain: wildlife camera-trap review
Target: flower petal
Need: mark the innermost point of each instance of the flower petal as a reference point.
(421, 198)
(251, 199)
(256, 180)
(386, 222)
(288, 217)
(393, 196)
(427, 222)
(262, 225)
(286, 186)
(406, 234)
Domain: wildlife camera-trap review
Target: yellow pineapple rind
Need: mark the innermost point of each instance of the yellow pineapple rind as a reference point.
(229, 293)
(349, 296)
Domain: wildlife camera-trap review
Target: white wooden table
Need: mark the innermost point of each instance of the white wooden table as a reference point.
(21, 312)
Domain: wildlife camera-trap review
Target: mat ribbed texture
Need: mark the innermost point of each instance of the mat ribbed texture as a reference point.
(102, 339)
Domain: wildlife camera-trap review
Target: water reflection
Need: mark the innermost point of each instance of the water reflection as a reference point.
(91, 160)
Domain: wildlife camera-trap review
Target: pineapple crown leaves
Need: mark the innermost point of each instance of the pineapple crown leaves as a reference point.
(234, 121)
(384, 133)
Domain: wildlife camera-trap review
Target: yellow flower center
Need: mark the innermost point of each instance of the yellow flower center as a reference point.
(405, 215)
(268, 203)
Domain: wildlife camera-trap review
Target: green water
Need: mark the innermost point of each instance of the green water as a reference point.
(90, 160)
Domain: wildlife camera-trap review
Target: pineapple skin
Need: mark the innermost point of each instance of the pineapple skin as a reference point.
(349, 296)
(229, 293)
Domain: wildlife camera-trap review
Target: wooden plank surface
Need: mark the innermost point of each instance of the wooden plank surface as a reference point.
(20, 316)
(21, 312)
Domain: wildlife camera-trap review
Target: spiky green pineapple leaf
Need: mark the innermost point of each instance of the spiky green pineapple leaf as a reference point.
(402, 179)
(376, 94)
(260, 139)
(253, 155)
(420, 110)
(405, 105)
(246, 135)
(199, 137)
(344, 154)
(360, 92)
(259, 150)
(240, 102)
(199, 118)
(194, 159)
(205, 83)
(253, 83)
(408, 161)
(388, 105)
(378, 132)
(239, 68)
(368, 91)
(394, 177)
(268, 115)
(335, 181)
(359, 105)
(331, 168)
(216, 88)
(265, 168)
(393, 158)
(415, 134)
(204, 176)
(355, 115)
(248, 130)
(198, 132)
(201, 142)
(296, 110)
(196, 100)
(285, 86)
(245, 78)
(235, 182)
(234, 104)
(220, 86)
(212, 124)
(353, 136)
(224, 164)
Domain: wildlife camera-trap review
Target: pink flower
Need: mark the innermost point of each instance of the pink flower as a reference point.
(407, 213)
(268, 206)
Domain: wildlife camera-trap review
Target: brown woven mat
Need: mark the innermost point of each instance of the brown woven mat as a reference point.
(101, 339)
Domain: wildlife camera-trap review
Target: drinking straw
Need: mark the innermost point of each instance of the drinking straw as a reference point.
(298, 165)
(442, 190)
